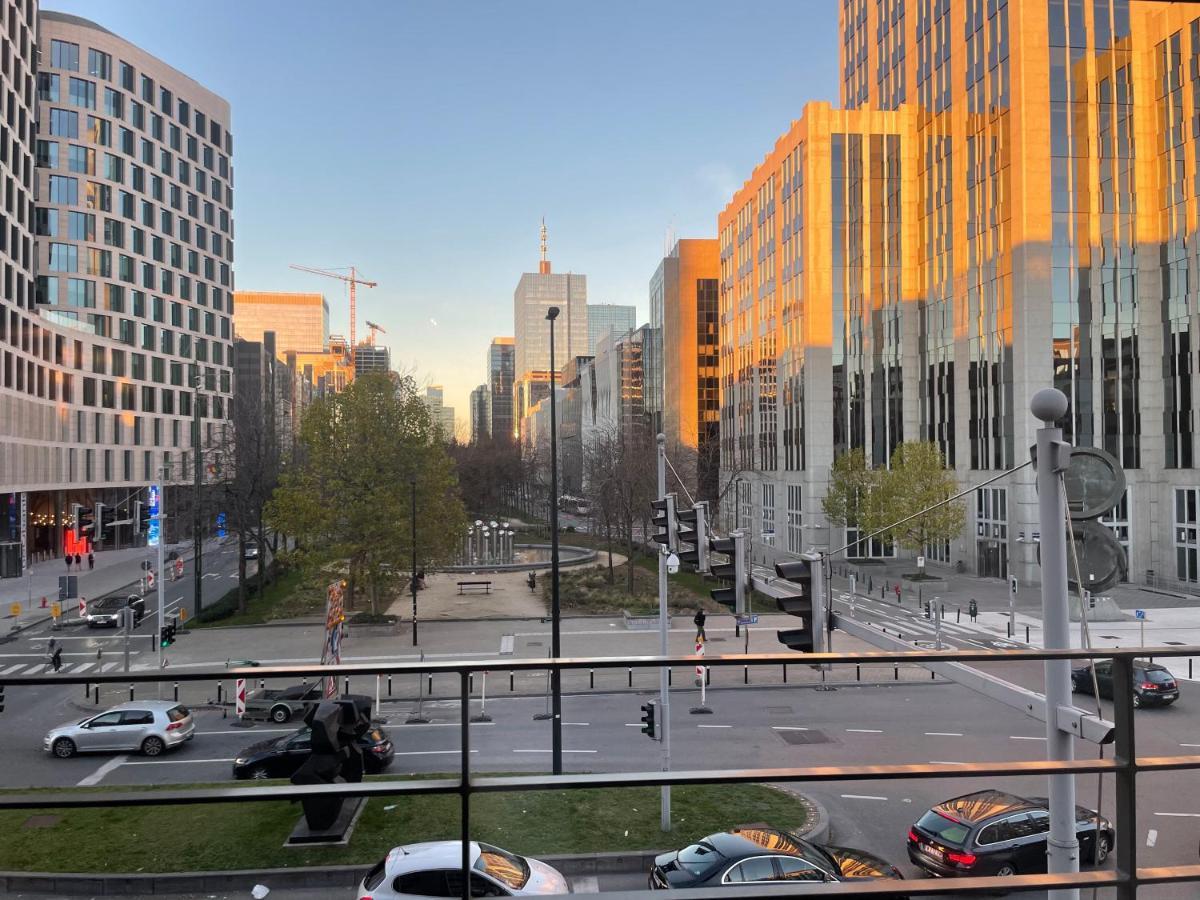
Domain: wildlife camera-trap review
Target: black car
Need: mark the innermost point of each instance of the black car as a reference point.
(106, 612)
(997, 833)
(750, 854)
(1152, 684)
(281, 757)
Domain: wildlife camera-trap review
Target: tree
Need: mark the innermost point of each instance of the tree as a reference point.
(917, 480)
(348, 500)
(850, 489)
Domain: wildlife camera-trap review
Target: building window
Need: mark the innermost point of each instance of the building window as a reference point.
(767, 496)
(64, 55)
(795, 524)
(1187, 535)
(1120, 520)
(64, 123)
(48, 86)
(99, 64)
(991, 532)
(83, 93)
(63, 258)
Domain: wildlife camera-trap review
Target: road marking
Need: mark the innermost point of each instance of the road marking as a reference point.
(714, 726)
(1179, 815)
(174, 762)
(1024, 737)
(861, 797)
(446, 724)
(789, 728)
(97, 776)
(84, 668)
(1181, 745)
(108, 667)
(865, 730)
(1151, 837)
(506, 644)
(577, 723)
(550, 751)
(12, 669)
(946, 762)
(255, 731)
(943, 734)
(633, 724)
(430, 752)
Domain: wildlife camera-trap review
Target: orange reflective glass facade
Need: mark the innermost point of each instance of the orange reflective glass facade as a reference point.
(1049, 237)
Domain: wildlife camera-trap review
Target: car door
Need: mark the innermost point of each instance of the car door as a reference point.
(750, 870)
(997, 846)
(1032, 831)
(1104, 677)
(295, 752)
(481, 885)
(136, 724)
(99, 733)
(796, 868)
(425, 883)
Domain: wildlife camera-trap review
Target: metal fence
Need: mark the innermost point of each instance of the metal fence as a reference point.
(1124, 765)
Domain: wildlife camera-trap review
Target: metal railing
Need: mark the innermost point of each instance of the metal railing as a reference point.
(1124, 765)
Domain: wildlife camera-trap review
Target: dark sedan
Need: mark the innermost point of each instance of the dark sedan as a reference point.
(997, 833)
(1153, 685)
(753, 855)
(281, 757)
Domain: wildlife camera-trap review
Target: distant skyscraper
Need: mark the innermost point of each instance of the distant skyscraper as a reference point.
(300, 321)
(604, 318)
(442, 415)
(370, 358)
(500, 365)
(479, 410)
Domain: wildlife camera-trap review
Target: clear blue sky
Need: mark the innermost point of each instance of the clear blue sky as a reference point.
(423, 142)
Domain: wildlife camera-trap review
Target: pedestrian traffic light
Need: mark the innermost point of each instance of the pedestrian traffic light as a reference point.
(84, 519)
(141, 517)
(734, 571)
(105, 521)
(166, 635)
(664, 519)
(691, 529)
(649, 710)
(807, 603)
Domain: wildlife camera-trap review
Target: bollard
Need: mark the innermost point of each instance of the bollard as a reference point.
(1189, 668)
(261, 684)
(510, 681)
(1027, 636)
(631, 677)
(591, 678)
(389, 685)
(177, 692)
(470, 682)
(1008, 628)
(895, 673)
(431, 683)
(943, 610)
(958, 615)
(858, 671)
(87, 691)
(932, 675)
(97, 695)
(708, 675)
(131, 693)
(219, 688)
(785, 673)
(346, 685)
(745, 674)
(881, 593)
(668, 677)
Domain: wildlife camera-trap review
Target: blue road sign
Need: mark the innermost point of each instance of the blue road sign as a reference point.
(747, 620)
(1139, 614)
(155, 528)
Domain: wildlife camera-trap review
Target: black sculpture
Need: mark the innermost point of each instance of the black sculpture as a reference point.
(335, 757)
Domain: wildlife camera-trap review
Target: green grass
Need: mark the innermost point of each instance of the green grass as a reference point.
(587, 592)
(284, 598)
(250, 835)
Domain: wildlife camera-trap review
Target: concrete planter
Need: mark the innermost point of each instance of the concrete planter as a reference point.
(926, 587)
(382, 630)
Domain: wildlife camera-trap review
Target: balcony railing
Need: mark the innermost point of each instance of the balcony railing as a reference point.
(1124, 765)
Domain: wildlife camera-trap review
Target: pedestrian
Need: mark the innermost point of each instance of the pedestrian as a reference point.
(91, 561)
(897, 592)
(56, 658)
(69, 558)
(699, 620)
(78, 563)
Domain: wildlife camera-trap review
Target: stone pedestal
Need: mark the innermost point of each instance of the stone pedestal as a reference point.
(337, 835)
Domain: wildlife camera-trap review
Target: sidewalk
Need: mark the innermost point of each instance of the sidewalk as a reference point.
(114, 569)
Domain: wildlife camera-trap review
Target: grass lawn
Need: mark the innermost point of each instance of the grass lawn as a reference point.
(587, 592)
(250, 835)
(285, 598)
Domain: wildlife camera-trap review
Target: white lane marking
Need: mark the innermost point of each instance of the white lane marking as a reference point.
(548, 751)
(714, 726)
(789, 728)
(175, 762)
(429, 752)
(577, 723)
(251, 731)
(1189, 745)
(865, 730)
(506, 645)
(861, 797)
(84, 668)
(447, 724)
(12, 669)
(108, 667)
(633, 724)
(1024, 737)
(1179, 815)
(98, 776)
(1151, 837)
(943, 734)
(946, 762)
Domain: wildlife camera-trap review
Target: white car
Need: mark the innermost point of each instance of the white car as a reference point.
(434, 869)
(149, 726)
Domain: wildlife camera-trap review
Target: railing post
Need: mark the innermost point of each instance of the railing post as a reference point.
(464, 790)
(1126, 778)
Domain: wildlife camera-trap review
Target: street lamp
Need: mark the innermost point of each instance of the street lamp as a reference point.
(555, 611)
(413, 586)
(197, 544)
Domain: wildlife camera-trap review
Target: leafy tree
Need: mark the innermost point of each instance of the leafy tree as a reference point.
(918, 479)
(850, 486)
(348, 499)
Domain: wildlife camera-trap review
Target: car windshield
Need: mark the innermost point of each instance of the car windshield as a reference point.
(1159, 676)
(698, 858)
(108, 604)
(944, 828)
(503, 866)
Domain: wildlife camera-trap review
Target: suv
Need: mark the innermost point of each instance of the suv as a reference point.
(997, 833)
(150, 726)
(1153, 685)
(106, 612)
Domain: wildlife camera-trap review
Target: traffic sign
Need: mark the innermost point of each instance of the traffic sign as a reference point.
(82, 608)
(240, 694)
(15, 609)
(1139, 614)
(1095, 483)
(55, 610)
(747, 620)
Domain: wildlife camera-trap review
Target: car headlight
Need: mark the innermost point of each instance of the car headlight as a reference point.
(240, 761)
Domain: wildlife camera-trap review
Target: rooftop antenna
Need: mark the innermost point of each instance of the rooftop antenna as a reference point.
(544, 265)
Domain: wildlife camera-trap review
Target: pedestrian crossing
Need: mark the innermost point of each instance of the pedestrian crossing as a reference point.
(42, 667)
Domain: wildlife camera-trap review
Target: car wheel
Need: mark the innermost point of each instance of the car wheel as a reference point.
(153, 746)
(64, 748)
(1074, 684)
(1006, 870)
(280, 714)
(259, 773)
(1102, 850)
(1137, 700)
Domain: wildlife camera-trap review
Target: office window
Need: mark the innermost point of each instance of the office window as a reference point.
(81, 226)
(48, 86)
(137, 115)
(99, 64)
(81, 159)
(63, 258)
(47, 154)
(125, 75)
(81, 293)
(46, 289)
(64, 55)
(82, 93)
(114, 103)
(46, 222)
(64, 123)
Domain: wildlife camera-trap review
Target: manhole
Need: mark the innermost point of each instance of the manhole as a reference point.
(804, 737)
(41, 821)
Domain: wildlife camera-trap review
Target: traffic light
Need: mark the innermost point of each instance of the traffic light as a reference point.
(691, 529)
(166, 635)
(105, 521)
(649, 710)
(84, 518)
(807, 603)
(664, 519)
(1, 698)
(141, 517)
(733, 571)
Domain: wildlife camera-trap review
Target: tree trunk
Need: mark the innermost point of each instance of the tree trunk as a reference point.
(262, 556)
(629, 561)
(374, 598)
(612, 575)
(242, 599)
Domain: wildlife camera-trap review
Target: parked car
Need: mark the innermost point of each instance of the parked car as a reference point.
(997, 833)
(434, 869)
(281, 757)
(281, 704)
(1152, 684)
(745, 855)
(251, 551)
(106, 612)
(148, 726)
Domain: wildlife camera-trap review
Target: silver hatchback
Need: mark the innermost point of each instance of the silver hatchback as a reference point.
(148, 726)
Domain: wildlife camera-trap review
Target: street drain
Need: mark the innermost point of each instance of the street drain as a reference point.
(804, 737)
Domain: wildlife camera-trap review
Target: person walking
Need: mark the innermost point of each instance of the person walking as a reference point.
(699, 620)
(54, 654)
(91, 561)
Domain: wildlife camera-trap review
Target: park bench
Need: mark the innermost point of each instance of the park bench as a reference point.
(464, 586)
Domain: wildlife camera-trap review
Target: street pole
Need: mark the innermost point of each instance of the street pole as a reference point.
(1012, 606)
(197, 474)
(664, 694)
(556, 676)
(162, 584)
(1053, 457)
(413, 484)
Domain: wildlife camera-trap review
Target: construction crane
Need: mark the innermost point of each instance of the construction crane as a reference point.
(374, 328)
(353, 280)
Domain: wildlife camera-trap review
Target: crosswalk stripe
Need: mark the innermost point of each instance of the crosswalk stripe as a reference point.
(108, 667)
(84, 668)
(12, 669)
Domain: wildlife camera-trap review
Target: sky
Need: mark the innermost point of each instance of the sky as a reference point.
(424, 142)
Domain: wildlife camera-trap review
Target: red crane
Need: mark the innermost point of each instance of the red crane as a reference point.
(353, 280)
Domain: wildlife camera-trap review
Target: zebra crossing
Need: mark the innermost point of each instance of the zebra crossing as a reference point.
(917, 628)
(42, 666)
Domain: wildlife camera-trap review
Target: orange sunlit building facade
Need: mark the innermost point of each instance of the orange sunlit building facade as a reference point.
(1049, 181)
